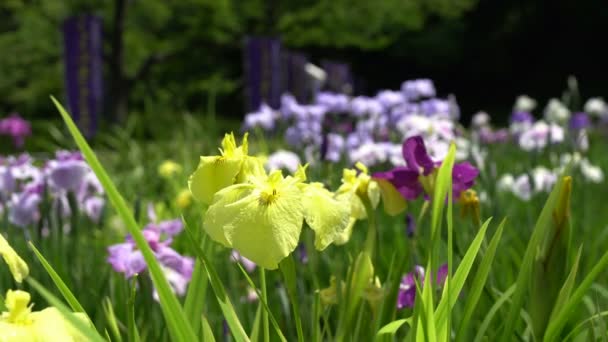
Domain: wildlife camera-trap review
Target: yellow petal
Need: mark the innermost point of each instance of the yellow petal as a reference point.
(251, 167)
(17, 266)
(392, 200)
(220, 213)
(212, 175)
(325, 215)
(345, 235)
(373, 193)
(267, 224)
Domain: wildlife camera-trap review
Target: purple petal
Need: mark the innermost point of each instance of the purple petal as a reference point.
(463, 177)
(415, 155)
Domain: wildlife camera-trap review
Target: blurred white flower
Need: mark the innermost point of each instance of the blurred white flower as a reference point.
(544, 179)
(556, 111)
(539, 135)
(505, 183)
(369, 154)
(596, 106)
(462, 148)
(480, 119)
(524, 103)
(522, 187)
(591, 172)
(283, 159)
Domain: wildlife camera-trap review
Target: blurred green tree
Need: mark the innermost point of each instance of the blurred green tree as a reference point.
(163, 55)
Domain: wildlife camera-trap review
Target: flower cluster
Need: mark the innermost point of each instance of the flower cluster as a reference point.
(337, 127)
(24, 186)
(127, 259)
(261, 214)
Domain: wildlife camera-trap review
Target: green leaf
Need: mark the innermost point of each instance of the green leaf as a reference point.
(460, 277)
(218, 289)
(197, 291)
(479, 282)
(131, 324)
(111, 319)
(257, 322)
(61, 286)
(207, 331)
(480, 336)
(388, 331)
(85, 329)
(288, 269)
(176, 319)
(535, 243)
(264, 302)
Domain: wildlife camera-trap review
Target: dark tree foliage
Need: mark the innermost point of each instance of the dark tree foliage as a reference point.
(166, 56)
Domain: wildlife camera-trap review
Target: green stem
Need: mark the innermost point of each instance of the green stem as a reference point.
(266, 326)
(370, 240)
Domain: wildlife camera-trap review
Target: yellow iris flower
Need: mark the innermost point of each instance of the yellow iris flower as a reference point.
(17, 266)
(214, 173)
(20, 324)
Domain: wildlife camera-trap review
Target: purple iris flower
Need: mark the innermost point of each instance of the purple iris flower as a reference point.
(406, 296)
(415, 89)
(23, 209)
(407, 179)
(67, 174)
(334, 102)
(579, 121)
(8, 184)
(265, 118)
(127, 259)
(17, 128)
(521, 117)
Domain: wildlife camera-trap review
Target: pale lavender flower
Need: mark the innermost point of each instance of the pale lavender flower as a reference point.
(540, 135)
(480, 120)
(23, 207)
(414, 89)
(334, 102)
(362, 105)
(265, 118)
(596, 106)
(334, 147)
(390, 98)
(67, 175)
(93, 208)
(127, 259)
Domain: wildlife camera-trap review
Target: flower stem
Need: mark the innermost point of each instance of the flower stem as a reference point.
(265, 325)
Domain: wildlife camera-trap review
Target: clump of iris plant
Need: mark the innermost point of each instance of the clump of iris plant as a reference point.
(261, 214)
(418, 176)
(26, 184)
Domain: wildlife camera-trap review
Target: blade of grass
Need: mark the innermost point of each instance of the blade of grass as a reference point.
(80, 325)
(176, 319)
(111, 319)
(288, 269)
(234, 324)
(207, 331)
(479, 282)
(197, 291)
(132, 332)
(387, 332)
(264, 302)
(536, 240)
(460, 276)
(61, 286)
(480, 336)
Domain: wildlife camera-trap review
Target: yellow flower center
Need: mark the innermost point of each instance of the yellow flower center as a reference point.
(269, 196)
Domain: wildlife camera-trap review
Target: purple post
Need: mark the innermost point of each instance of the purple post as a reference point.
(262, 72)
(296, 81)
(339, 76)
(82, 37)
